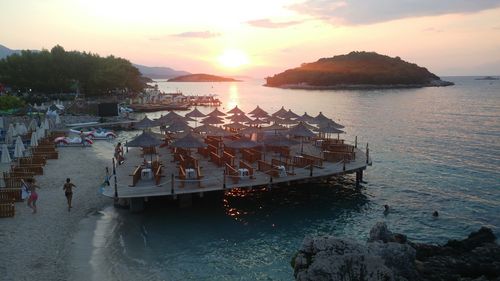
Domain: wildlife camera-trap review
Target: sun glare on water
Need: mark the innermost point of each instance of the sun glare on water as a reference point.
(233, 58)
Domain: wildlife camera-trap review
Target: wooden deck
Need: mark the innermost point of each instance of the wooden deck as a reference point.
(213, 175)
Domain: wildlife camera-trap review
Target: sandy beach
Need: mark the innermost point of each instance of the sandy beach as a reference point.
(38, 246)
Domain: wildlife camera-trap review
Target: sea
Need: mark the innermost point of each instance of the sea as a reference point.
(433, 149)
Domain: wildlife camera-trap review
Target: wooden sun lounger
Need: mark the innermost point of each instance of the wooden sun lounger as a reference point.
(136, 175)
(232, 173)
(10, 195)
(7, 210)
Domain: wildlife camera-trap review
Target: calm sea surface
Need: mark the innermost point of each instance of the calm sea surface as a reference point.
(432, 148)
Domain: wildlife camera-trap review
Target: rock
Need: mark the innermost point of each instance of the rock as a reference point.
(389, 256)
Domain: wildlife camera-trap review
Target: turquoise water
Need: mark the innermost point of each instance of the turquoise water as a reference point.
(432, 148)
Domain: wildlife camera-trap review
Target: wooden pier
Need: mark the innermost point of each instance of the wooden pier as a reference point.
(226, 170)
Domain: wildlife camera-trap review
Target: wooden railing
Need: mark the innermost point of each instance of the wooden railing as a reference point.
(232, 173)
(228, 158)
(136, 175)
(316, 161)
(302, 162)
(267, 168)
(216, 159)
(157, 174)
(250, 169)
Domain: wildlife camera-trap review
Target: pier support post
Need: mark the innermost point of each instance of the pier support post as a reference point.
(172, 183)
(358, 177)
(311, 170)
(356, 142)
(114, 175)
(136, 204)
(224, 180)
(367, 154)
(343, 164)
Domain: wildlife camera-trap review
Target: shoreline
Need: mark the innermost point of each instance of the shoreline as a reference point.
(44, 241)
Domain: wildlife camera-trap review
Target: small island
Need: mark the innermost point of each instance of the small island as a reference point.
(488, 78)
(202, 78)
(356, 70)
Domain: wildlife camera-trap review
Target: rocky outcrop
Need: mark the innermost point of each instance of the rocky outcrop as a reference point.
(388, 256)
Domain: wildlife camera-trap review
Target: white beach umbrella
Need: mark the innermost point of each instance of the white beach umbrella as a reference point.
(46, 124)
(19, 148)
(22, 129)
(5, 154)
(1, 122)
(9, 137)
(32, 125)
(58, 119)
(34, 139)
(40, 132)
(15, 132)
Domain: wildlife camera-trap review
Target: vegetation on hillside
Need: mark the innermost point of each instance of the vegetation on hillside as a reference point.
(355, 68)
(201, 78)
(10, 102)
(59, 71)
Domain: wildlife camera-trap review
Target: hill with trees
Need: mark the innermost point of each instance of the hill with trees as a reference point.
(59, 71)
(202, 78)
(356, 70)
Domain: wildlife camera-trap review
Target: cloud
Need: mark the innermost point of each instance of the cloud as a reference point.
(267, 23)
(197, 34)
(358, 12)
(432, 29)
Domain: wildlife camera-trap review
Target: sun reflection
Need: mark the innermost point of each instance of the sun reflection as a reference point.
(234, 96)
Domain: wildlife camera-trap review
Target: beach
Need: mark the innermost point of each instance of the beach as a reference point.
(38, 246)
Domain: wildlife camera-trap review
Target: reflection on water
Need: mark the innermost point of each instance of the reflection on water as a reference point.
(432, 149)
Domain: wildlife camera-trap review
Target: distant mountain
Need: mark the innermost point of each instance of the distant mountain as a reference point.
(159, 72)
(5, 52)
(356, 70)
(201, 77)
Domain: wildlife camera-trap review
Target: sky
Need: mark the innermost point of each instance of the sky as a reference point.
(259, 38)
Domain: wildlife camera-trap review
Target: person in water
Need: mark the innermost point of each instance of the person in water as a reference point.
(386, 209)
(68, 192)
(435, 214)
(33, 195)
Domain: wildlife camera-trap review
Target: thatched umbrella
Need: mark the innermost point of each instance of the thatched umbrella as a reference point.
(301, 131)
(330, 123)
(32, 126)
(236, 110)
(320, 118)
(330, 129)
(250, 130)
(178, 127)
(146, 139)
(212, 120)
(216, 112)
(310, 127)
(280, 113)
(274, 119)
(235, 126)
(205, 128)
(305, 118)
(5, 154)
(257, 121)
(258, 112)
(189, 141)
(291, 114)
(279, 140)
(288, 121)
(240, 118)
(242, 143)
(274, 127)
(145, 123)
(195, 114)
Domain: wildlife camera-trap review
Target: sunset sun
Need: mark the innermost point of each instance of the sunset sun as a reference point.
(233, 58)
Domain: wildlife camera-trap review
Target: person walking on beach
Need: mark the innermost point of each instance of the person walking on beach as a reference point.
(82, 137)
(119, 153)
(68, 192)
(33, 195)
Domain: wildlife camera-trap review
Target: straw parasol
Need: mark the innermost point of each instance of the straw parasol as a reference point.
(146, 139)
(205, 128)
(236, 110)
(195, 114)
(242, 143)
(216, 112)
(240, 118)
(301, 131)
(235, 126)
(145, 123)
(212, 120)
(250, 130)
(331, 123)
(288, 121)
(320, 118)
(189, 141)
(5, 154)
(291, 114)
(274, 127)
(330, 129)
(19, 148)
(280, 113)
(305, 118)
(34, 139)
(278, 140)
(258, 112)
(219, 132)
(178, 127)
(257, 121)
(310, 127)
